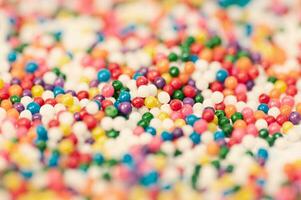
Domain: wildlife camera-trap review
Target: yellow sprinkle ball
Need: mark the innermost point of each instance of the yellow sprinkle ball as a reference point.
(297, 163)
(286, 126)
(166, 195)
(138, 193)
(1, 83)
(37, 91)
(212, 127)
(84, 79)
(67, 100)
(180, 122)
(280, 85)
(215, 120)
(42, 195)
(201, 37)
(8, 146)
(66, 146)
(99, 143)
(97, 133)
(163, 115)
(204, 160)
(244, 193)
(63, 60)
(255, 169)
(11, 181)
(93, 92)
(149, 50)
(224, 182)
(66, 129)
(151, 102)
(159, 162)
(74, 108)
(167, 77)
(20, 159)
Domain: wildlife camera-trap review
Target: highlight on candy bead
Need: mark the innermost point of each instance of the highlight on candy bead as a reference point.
(150, 100)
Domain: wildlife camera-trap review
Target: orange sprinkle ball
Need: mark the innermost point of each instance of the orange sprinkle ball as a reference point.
(162, 66)
(275, 94)
(228, 92)
(231, 82)
(243, 64)
(206, 54)
(230, 110)
(58, 98)
(18, 73)
(99, 53)
(13, 113)
(212, 148)
(219, 52)
(240, 124)
(128, 71)
(184, 78)
(281, 76)
(113, 193)
(258, 114)
(15, 90)
(189, 67)
(6, 104)
(285, 110)
(87, 189)
(288, 168)
(99, 115)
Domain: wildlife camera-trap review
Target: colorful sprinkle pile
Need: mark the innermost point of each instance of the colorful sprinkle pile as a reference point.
(150, 100)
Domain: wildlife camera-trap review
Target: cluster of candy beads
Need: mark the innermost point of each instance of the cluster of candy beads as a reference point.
(164, 100)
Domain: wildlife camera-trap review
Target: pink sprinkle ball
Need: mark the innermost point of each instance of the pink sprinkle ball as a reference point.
(200, 126)
(99, 63)
(55, 180)
(14, 41)
(288, 100)
(240, 88)
(176, 115)
(274, 103)
(87, 61)
(274, 128)
(286, 193)
(247, 112)
(135, 150)
(5, 155)
(251, 129)
(155, 144)
(144, 167)
(138, 130)
(238, 134)
(186, 110)
(21, 132)
(107, 90)
(121, 172)
(158, 57)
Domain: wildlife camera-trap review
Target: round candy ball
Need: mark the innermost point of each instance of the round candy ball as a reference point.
(12, 56)
(295, 118)
(104, 75)
(31, 67)
(125, 108)
(263, 107)
(33, 107)
(221, 75)
(208, 114)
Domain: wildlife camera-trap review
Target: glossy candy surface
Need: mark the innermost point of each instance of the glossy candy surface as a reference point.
(141, 100)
